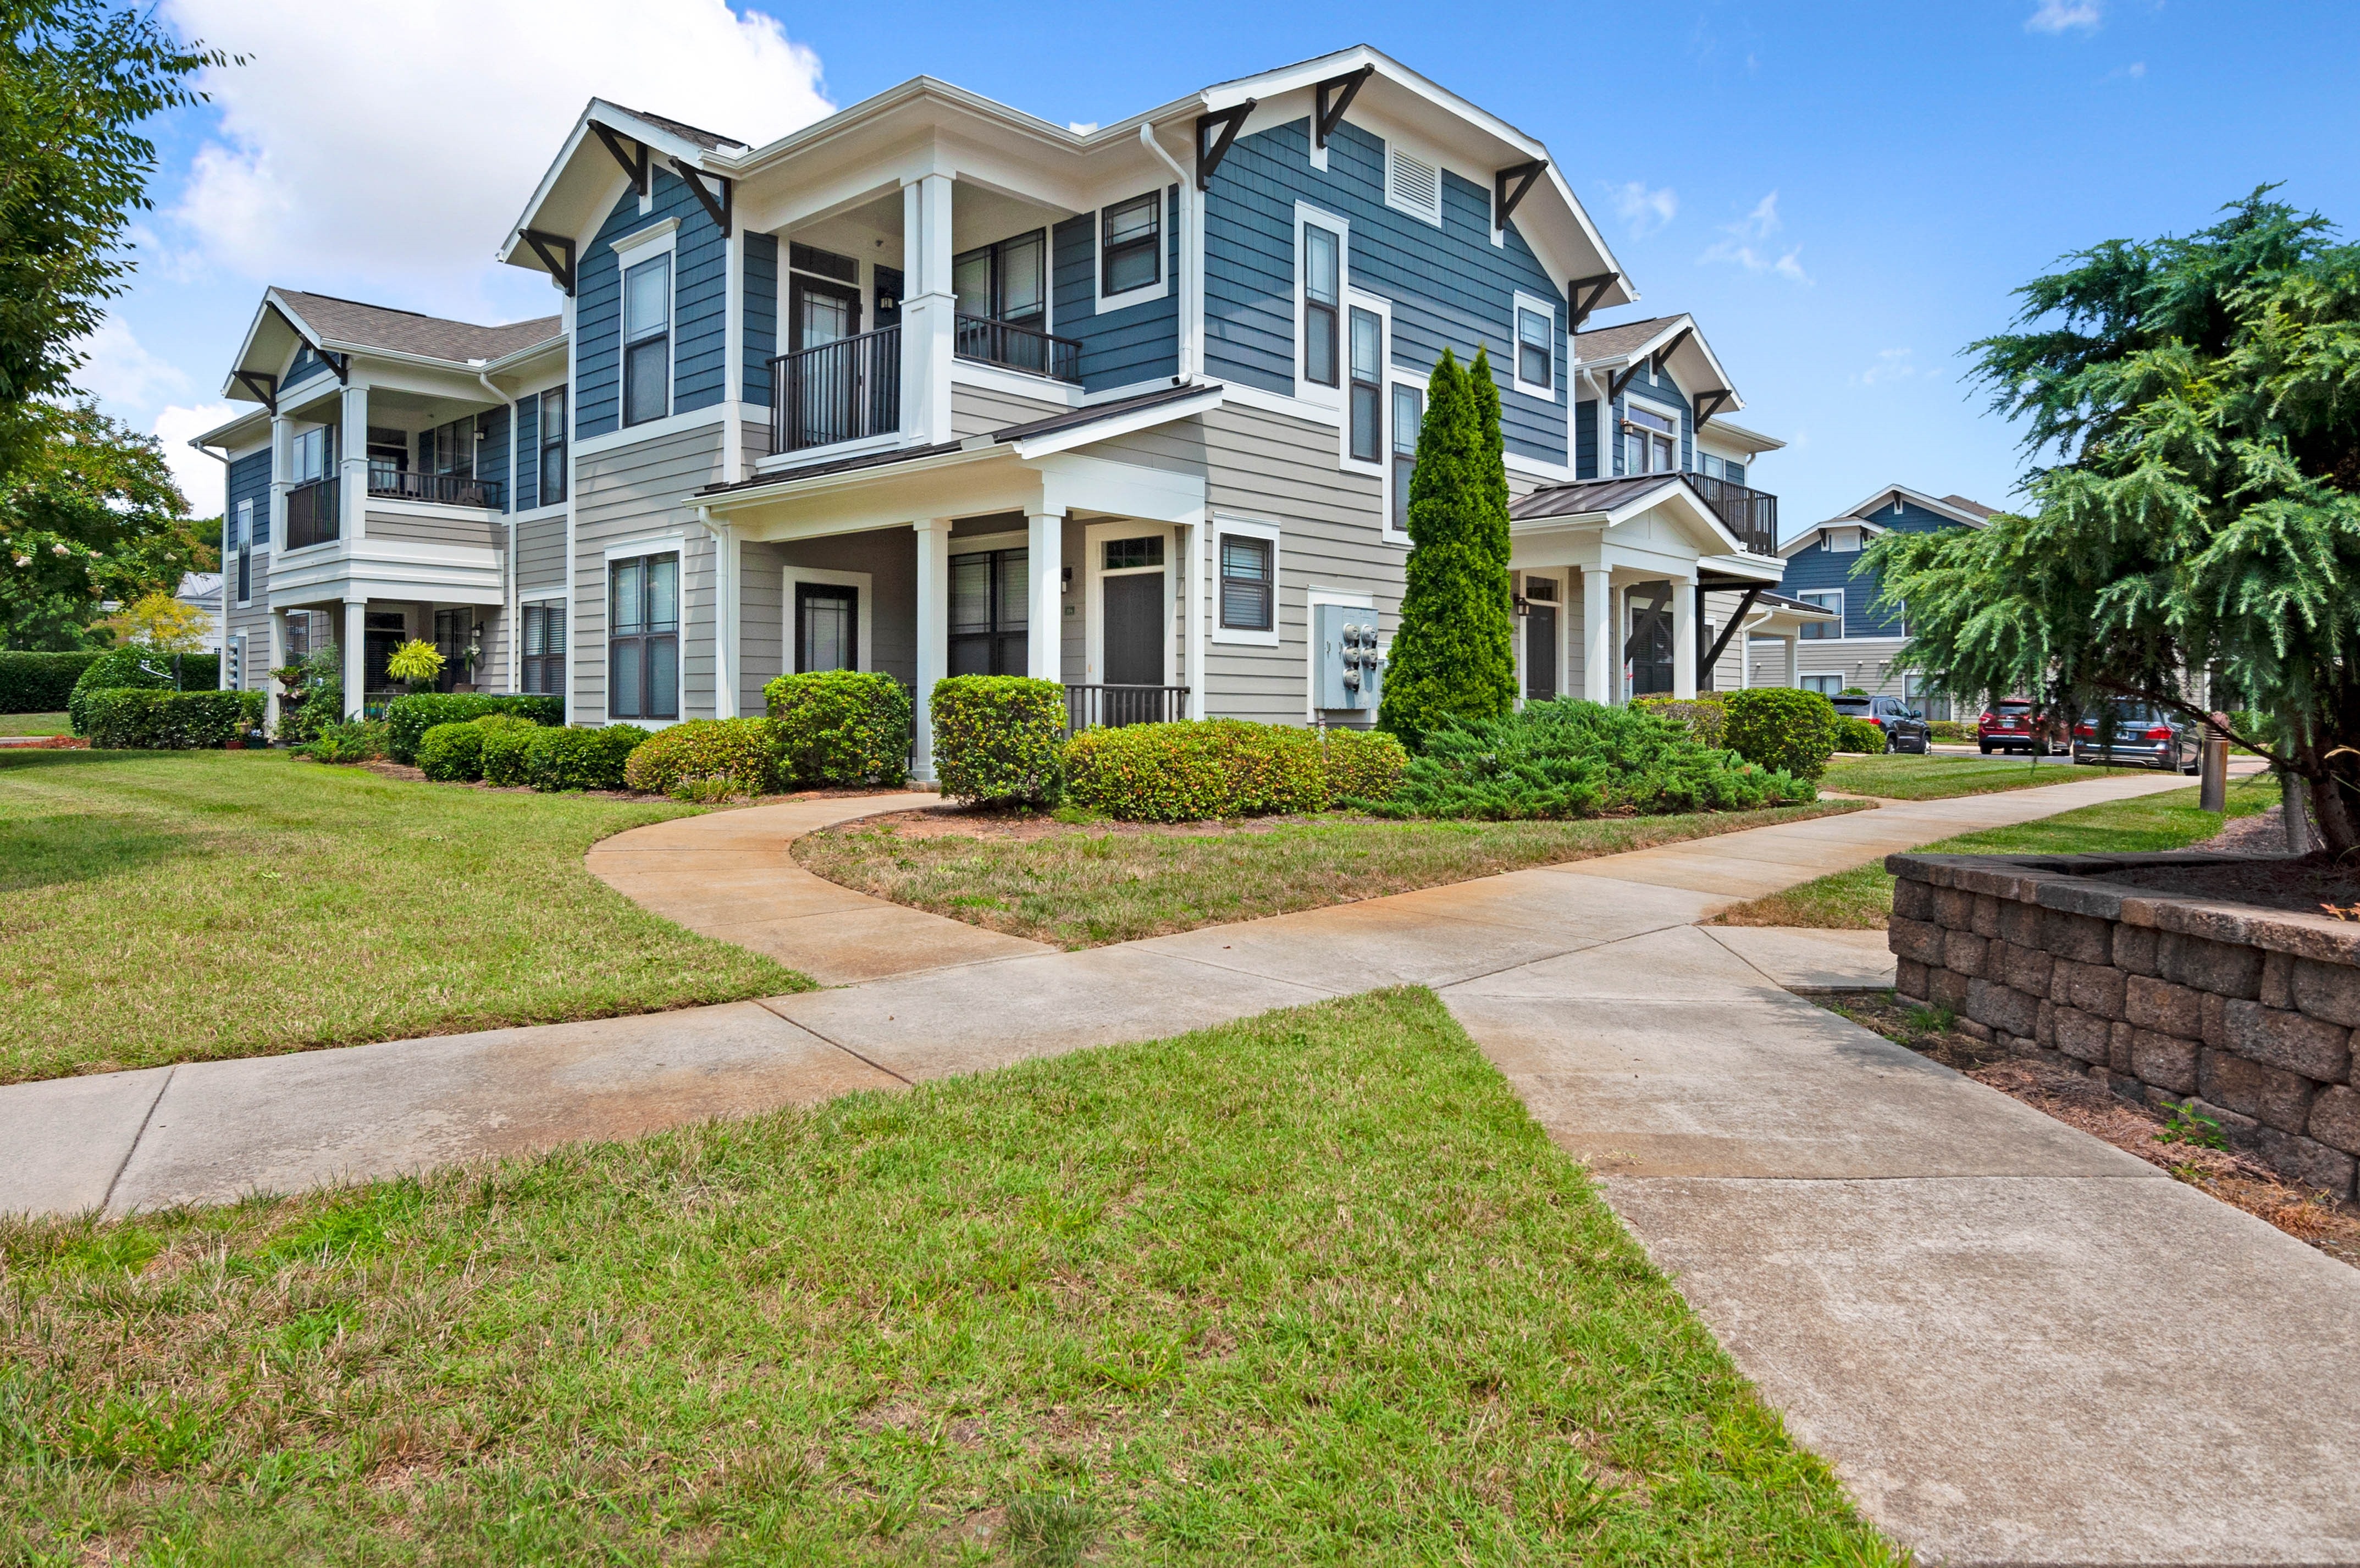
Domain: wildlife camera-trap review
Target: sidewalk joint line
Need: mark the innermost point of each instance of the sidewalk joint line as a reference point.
(116, 1179)
(764, 1004)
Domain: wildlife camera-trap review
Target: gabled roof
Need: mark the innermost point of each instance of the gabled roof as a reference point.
(711, 141)
(1692, 361)
(290, 317)
(1955, 508)
(1616, 502)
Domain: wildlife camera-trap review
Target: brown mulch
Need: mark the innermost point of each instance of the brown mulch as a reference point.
(2331, 1225)
(2314, 884)
(2263, 833)
(1001, 824)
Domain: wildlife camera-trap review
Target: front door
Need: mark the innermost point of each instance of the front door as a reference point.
(1540, 652)
(1648, 654)
(827, 627)
(1135, 631)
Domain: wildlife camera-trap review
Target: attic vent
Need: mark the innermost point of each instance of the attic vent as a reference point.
(1413, 185)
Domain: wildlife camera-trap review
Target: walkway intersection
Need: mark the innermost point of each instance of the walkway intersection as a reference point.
(2016, 1344)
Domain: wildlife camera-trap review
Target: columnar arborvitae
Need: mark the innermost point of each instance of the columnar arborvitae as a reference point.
(1454, 654)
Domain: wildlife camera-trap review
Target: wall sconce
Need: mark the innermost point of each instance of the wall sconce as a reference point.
(1064, 579)
(1524, 606)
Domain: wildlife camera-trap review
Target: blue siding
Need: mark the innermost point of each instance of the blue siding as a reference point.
(249, 480)
(305, 366)
(528, 485)
(1136, 343)
(1665, 393)
(762, 311)
(699, 308)
(492, 448)
(1450, 287)
(1585, 439)
(1818, 567)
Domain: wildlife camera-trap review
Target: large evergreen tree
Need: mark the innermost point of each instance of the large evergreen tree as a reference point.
(1454, 654)
(2198, 399)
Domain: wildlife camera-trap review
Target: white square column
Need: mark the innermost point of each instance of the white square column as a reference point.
(278, 657)
(1599, 659)
(1044, 628)
(1684, 638)
(929, 310)
(1793, 663)
(933, 632)
(1195, 539)
(353, 499)
(356, 651)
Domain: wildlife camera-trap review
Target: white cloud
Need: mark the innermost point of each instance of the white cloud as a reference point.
(362, 140)
(2063, 17)
(201, 479)
(1748, 244)
(1643, 209)
(119, 369)
(1892, 365)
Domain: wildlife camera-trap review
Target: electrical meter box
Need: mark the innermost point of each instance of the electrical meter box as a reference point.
(1350, 670)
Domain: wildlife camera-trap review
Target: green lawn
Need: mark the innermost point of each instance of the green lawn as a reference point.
(173, 906)
(1900, 777)
(1308, 1288)
(1084, 884)
(1862, 899)
(33, 724)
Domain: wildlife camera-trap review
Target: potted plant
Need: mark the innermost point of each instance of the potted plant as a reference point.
(416, 665)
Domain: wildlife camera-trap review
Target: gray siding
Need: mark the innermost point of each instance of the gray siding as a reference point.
(540, 551)
(977, 410)
(889, 557)
(474, 532)
(624, 494)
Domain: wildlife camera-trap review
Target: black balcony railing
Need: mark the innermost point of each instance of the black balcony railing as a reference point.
(312, 513)
(1114, 705)
(844, 390)
(1752, 515)
(1018, 347)
(450, 489)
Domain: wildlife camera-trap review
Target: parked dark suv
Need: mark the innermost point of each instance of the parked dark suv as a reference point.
(2143, 737)
(1906, 729)
(2011, 725)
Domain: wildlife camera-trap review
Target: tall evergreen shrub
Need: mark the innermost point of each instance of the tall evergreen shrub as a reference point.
(1454, 655)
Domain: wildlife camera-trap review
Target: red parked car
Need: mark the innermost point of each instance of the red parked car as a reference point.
(2011, 725)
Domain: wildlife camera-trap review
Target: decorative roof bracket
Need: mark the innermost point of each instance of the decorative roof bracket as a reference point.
(1583, 306)
(634, 162)
(556, 253)
(1230, 122)
(717, 209)
(1509, 187)
(265, 388)
(1329, 112)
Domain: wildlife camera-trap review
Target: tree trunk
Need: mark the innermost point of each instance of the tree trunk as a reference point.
(2330, 808)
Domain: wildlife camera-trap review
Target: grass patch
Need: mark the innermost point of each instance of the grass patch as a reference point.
(176, 906)
(1902, 776)
(33, 724)
(1309, 1287)
(1084, 883)
(1861, 898)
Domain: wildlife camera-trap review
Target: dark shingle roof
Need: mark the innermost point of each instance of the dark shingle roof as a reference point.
(1965, 505)
(711, 141)
(407, 331)
(1614, 341)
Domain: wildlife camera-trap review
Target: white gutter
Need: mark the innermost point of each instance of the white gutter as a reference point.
(1191, 279)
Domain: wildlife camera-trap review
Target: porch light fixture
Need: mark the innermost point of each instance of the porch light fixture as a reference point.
(1523, 605)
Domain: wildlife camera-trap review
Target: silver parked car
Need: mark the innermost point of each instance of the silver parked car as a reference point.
(2142, 736)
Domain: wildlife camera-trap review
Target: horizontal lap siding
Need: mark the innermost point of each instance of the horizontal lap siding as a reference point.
(540, 553)
(1818, 567)
(249, 480)
(625, 494)
(476, 533)
(1137, 342)
(977, 410)
(701, 312)
(1585, 439)
(528, 479)
(699, 308)
(761, 314)
(889, 557)
(1450, 287)
(492, 450)
(304, 366)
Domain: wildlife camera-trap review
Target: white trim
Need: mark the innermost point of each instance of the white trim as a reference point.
(782, 464)
(1306, 389)
(1021, 383)
(1545, 309)
(647, 544)
(1313, 598)
(1813, 596)
(542, 597)
(661, 545)
(1384, 310)
(1250, 529)
(1146, 293)
(1425, 158)
(1396, 379)
(657, 244)
(663, 236)
(1661, 410)
(630, 434)
(1933, 504)
(1281, 403)
(863, 605)
(1057, 440)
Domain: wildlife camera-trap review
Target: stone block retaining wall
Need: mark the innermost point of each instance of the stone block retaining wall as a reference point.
(2250, 1013)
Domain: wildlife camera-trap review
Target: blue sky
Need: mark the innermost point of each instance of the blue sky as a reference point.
(1843, 195)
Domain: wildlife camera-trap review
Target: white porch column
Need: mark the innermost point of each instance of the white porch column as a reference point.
(725, 675)
(929, 308)
(1045, 628)
(282, 463)
(1195, 539)
(933, 630)
(1794, 665)
(1599, 659)
(355, 650)
(278, 657)
(1684, 638)
(353, 502)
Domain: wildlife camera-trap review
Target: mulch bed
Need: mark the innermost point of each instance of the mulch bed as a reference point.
(2334, 1227)
(1002, 824)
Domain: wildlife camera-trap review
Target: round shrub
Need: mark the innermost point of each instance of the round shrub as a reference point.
(998, 737)
(453, 754)
(579, 759)
(1363, 766)
(1705, 716)
(1858, 735)
(1195, 770)
(707, 759)
(841, 727)
(408, 718)
(1783, 730)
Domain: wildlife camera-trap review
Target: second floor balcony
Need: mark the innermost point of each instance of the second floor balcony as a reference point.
(850, 389)
(312, 513)
(1751, 514)
(397, 483)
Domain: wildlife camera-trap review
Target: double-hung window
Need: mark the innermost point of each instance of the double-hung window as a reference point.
(1536, 349)
(1131, 252)
(643, 638)
(1246, 582)
(1409, 417)
(646, 341)
(1651, 441)
(1368, 402)
(242, 540)
(552, 446)
(1823, 631)
(1323, 294)
(544, 649)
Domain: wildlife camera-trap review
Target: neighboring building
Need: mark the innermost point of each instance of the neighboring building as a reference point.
(1857, 646)
(202, 591)
(934, 386)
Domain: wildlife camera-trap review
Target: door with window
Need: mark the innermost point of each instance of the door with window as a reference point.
(1133, 624)
(453, 636)
(988, 622)
(827, 627)
(1540, 639)
(643, 637)
(1648, 652)
(1002, 286)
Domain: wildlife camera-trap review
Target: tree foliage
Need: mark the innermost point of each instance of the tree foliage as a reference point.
(1454, 655)
(2197, 400)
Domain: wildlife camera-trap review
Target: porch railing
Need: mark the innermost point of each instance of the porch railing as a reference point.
(312, 513)
(450, 489)
(1018, 347)
(844, 390)
(1752, 515)
(1115, 706)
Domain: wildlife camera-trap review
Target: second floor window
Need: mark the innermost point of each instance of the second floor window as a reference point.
(1651, 441)
(1535, 348)
(646, 341)
(242, 540)
(552, 446)
(1130, 253)
(1409, 418)
(643, 638)
(1823, 631)
(1008, 282)
(1368, 390)
(1323, 258)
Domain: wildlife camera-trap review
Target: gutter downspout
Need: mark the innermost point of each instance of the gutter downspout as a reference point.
(725, 695)
(221, 544)
(513, 666)
(1191, 279)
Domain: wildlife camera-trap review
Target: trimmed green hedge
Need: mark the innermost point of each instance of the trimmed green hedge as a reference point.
(1859, 735)
(998, 737)
(842, 727)
(707, 759)
(39, 683)
(139, 719)
(1364, 766)
(577, 759)
(408, 718)
(1568, 758)
(136, 667)
(1195, 771)
(1781, 728)
(453, 754)
(1705, 716)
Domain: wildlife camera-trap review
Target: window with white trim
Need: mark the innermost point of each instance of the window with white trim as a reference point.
(1651, 440)
(552, 446)
(647, 340)
(242, 540)
(1824, 599)
(643, 637)
(1248, 582)
(1130, 244)
(1826, 685)
(1367, 411)
(1536, 351)
(1409, 418)
(1323, 295)
(544, 649)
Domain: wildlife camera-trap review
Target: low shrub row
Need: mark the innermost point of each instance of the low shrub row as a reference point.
(39, 683)
(121, 668)
(138, 719)
(1193, 772)
(453, 754)
(408, 718)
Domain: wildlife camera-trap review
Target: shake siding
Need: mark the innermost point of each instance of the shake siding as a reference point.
(627, 494)
(473, 532)
(699, 308)
(1137, 342)
(1663, 391)
(1450, 287)
(527, 488)
(761, 316)
(976, 410)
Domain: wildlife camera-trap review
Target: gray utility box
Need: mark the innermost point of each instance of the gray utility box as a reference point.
(1350, 670)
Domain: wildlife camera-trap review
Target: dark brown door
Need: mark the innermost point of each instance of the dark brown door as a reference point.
(1649, 650)
(1540, 653)
(1133, 631)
